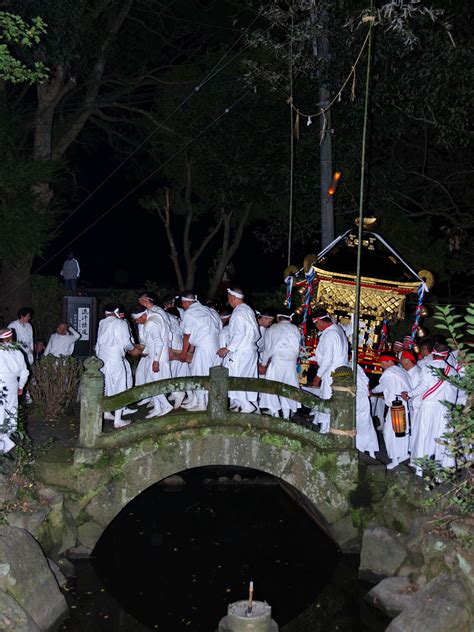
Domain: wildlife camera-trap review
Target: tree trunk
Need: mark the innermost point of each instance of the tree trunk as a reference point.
(15, 289)
(228, 249)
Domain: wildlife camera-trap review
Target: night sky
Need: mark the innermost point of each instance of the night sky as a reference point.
(128, 247)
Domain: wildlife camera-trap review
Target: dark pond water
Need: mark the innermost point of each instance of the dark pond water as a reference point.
(175, 557)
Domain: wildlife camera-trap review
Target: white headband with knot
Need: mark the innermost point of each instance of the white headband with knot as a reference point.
(289, 316)
(116, 311)
(139, 315)
(236, 294)
(190, 300)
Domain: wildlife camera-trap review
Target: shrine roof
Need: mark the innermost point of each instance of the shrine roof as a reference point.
(379, 260)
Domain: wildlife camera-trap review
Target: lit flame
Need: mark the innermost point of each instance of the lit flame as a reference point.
(335, 181)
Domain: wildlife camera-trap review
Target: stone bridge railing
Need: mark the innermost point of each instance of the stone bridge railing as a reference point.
(218, 384)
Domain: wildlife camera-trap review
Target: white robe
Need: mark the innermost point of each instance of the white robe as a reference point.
(202, 325)
(62, 345)
(178, 369)
(261, 342)
(242, 358)
(332, 352)
(366, 436)
(414, 377)
(13, 376)
(113, 341)
(156, 337)
(282, 346)
(224, 338)
(24, 337)
(432, 416)
(393, 382)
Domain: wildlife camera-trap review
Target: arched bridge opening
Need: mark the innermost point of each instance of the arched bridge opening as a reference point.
(191, 543)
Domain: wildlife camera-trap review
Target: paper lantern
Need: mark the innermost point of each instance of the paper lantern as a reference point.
(399, 417)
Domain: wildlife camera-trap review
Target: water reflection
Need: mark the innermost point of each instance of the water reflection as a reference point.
(176, 556)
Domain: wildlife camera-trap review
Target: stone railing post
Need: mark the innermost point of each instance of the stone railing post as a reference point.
(218, 392)
(342, 405)
(92, 392)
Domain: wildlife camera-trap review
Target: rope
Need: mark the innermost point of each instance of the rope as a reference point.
(344, 389)
(337, 96)
(342, 433)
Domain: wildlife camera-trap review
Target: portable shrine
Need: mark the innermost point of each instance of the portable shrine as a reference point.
(329, 278)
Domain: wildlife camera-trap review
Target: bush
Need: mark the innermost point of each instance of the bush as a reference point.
(54, 385)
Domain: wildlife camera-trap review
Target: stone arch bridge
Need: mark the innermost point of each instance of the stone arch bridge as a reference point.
(110, 468)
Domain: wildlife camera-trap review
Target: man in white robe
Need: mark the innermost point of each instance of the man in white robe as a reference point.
(280, 356)
(410, 364)
(366, 436)
(175, 341)
(426, 352)
(13, 376)
(332, 352)
(155, 359)
(393, 382)
(201, 327)
(24, 331)
(113, 343)
(265, 319)
(63, 341)
(432, 418)
(240, 353)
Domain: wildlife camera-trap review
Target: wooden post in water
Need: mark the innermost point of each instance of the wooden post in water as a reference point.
(238, 618)
(218, 392)
(92, 392)
(342, 406)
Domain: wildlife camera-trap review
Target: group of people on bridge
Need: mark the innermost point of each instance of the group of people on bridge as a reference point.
(189, 340)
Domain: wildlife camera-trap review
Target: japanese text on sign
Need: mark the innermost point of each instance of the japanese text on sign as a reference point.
(83, 322)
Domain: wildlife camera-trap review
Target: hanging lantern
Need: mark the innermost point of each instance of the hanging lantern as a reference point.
(399, 417)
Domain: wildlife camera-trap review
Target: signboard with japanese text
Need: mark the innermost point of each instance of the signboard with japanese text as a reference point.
(81, 313)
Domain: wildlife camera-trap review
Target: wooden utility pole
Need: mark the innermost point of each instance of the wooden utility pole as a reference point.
(321, 51)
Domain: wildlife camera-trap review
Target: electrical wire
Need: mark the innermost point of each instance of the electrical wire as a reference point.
(226, 111)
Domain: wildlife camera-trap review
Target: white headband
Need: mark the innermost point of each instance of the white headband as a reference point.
(116, 311)
(289, 316)
(321, 317)
(139, 315)
(6, 334)
(190, 300)
(225, 317)
(236, 294)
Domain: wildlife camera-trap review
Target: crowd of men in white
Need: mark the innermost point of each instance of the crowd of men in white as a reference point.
(188, 341)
